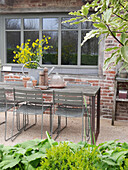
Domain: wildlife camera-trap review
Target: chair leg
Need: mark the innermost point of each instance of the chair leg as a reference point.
(66, 121)
(30, 125)
(59, 129)
(2, 122)
(51, 121)
(82, 127)
(14, 136)
(42, 127)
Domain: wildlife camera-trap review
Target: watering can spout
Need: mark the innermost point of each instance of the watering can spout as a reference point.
(50, 71)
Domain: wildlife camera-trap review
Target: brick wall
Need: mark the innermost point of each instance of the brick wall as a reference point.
(12, 5)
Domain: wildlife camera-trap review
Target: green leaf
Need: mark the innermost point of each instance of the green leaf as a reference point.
(110, 49)
(35, 156)
(107, 14)
(89, 35)
(99, 25)
(84, 10)
(124, 53)
(109, 162)
(9, 163)
(123, 37)
(115, 155)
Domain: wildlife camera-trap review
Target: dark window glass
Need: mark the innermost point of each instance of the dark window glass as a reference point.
(89, 51)
(69, 47)
(32, 35)
(67, 25)
(31, 24)
(51, 55)
(13, 24)
(12, 40)
(87, 25)
(50, 24)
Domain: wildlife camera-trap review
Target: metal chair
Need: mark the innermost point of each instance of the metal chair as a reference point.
(32, 105)
(5, 106)
(68, 104)
(87, 103)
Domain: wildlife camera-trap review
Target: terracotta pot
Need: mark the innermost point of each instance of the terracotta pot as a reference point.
(25, 79)
(34, 82)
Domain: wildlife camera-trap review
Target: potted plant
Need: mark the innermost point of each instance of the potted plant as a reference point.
(30, 53)
(34, 52)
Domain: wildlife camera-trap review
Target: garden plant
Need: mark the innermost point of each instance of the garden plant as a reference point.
(31, 51)
(51, 155)
(110, 17)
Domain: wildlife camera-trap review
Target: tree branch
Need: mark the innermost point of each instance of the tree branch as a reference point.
(114, 36)
(123, 6)
(120, 17)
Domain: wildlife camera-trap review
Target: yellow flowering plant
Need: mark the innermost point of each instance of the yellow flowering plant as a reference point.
(34, 52)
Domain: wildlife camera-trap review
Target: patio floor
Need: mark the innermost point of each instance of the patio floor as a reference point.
(71, 133)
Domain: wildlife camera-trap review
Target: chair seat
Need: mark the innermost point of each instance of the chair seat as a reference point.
(4, 108)
(32, 109)
(69, 112)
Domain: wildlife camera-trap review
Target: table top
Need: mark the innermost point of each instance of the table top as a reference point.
(87, 90)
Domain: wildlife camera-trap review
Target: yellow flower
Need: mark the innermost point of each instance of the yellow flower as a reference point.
(17, 46)
(14, 52)
(29, 40)
(37, 40)
(14, 60)
(43, 35)
(49, 38)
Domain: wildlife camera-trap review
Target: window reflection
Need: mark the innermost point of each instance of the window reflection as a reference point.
(87, 25)
(32, 35)
(31, 24)
(51, 56)
(89, 51)
(50, 24)
(69, 47)
(67, 25)
(13, 24)
(11, 44)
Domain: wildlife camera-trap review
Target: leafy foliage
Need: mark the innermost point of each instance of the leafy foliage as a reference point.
(110, 18)
(63, 157)
(49, 154)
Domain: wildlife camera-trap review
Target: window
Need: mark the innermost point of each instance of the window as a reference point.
(65, 39)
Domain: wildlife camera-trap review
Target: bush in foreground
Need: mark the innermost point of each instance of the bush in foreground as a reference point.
(52, 155)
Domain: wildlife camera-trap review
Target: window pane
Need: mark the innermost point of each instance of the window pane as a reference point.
(32, 35)
(89, 51)
(11, 44)
(31, 24)
(69, 47)
(13, 24)
(87, 25)
(67, 25)
(50, 24)
(51, 56)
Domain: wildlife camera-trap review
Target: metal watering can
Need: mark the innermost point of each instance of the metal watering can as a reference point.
(34, 73)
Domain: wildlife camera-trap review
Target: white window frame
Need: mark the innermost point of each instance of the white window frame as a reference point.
(40, 16)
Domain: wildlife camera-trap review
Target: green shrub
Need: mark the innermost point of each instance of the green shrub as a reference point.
(62, 157)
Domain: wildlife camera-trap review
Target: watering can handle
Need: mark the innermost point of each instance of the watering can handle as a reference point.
(27, 63)
(38, 64)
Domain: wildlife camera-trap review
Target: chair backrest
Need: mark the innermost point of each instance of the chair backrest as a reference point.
(68, 98)
(2, 96)
(28, 95)
(78, 84)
